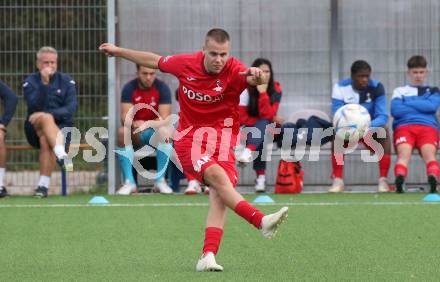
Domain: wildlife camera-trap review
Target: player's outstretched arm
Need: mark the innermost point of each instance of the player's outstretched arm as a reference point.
(146, 59)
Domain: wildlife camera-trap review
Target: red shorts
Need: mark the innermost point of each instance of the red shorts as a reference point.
(195, 158)
(416, 135)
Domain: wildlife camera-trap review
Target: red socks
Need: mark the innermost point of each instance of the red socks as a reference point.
(384, 165)
(260, 172)
(400, 169)
(248, 212)
(432, 168)
(213, 236)
(337, 169)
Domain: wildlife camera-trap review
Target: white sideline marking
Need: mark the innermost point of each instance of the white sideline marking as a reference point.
(206, 204)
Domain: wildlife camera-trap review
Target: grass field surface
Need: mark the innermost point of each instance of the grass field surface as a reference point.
(344, 237)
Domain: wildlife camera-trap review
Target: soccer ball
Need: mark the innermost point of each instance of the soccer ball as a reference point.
(351, 122)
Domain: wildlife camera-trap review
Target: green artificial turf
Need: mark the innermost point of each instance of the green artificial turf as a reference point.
(344, 237)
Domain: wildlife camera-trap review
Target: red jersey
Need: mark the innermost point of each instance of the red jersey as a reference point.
(149, 97)
(206, 100)
(157, 94)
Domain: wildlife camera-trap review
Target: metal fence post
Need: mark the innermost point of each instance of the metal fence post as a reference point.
(112, 117)
(334, 43)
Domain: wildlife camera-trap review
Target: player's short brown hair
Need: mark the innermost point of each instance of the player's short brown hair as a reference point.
(218, 35)
(138, 67)
(417, 61)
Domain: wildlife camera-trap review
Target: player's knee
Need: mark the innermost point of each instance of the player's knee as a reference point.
(43, 120)
(216, 177)
(47, 118)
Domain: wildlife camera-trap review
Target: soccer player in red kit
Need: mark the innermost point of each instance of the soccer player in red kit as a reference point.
(210, 83)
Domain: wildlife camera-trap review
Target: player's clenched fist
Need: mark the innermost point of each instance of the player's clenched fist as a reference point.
(109, 49)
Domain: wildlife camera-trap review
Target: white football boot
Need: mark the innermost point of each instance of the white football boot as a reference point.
(270, 222)
(260, 184)
(126, 189)
(207, 263)
(382, 186)
(337, 186)
(162, 187)
(193, 187)
(245, 157)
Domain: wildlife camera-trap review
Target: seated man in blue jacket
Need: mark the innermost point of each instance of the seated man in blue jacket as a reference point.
(10, 103)
(51, 100)
(415, 124)
(369, 93)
